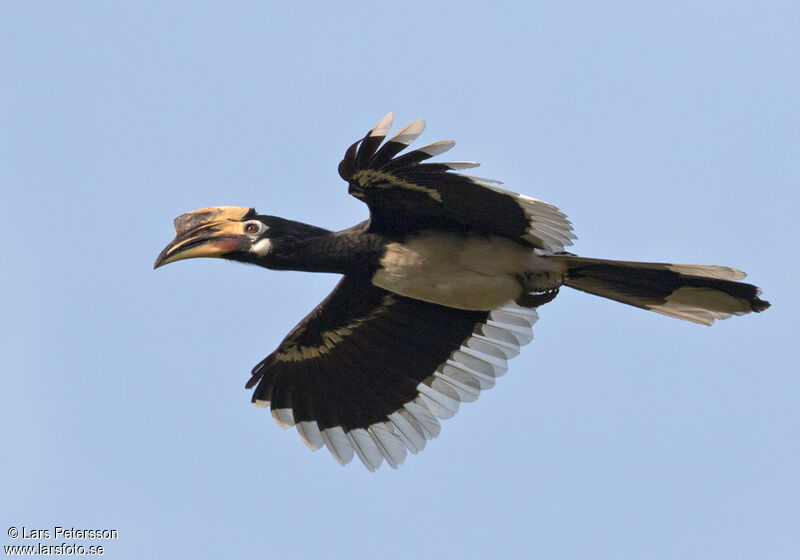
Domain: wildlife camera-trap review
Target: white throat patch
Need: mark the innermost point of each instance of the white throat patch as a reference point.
(261, 247)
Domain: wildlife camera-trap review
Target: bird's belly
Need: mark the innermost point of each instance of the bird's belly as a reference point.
(475, 273)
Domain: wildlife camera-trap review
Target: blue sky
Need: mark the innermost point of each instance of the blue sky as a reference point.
(666, 133)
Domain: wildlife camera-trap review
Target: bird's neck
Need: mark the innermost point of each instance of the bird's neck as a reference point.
(322, 251)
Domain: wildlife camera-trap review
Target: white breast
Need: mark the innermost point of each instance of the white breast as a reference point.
(476, 273)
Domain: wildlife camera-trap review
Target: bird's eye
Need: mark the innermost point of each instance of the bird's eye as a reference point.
(253, 227)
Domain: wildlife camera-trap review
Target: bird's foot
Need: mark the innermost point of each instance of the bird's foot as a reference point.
(537, 299)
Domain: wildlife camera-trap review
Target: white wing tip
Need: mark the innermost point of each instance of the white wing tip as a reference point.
(382, 127)
(283, 417)
(454, 165)
(438, 148)
(410, 133)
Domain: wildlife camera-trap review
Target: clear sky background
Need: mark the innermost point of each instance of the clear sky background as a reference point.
(666, 131)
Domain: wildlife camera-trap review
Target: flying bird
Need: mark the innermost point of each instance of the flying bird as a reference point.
(439, 290)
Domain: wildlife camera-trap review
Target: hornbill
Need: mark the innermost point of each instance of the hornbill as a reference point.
(440, 288)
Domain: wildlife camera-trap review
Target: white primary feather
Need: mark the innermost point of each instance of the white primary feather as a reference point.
(365, 448)
(465, 392)
(408, 134)
(427, 421)
(389, 444)
(454, 165)
(410, 436)
(382, 127)
(283, 416)
(338, 444)
(310, 434)
(456, 369)
(437, 148)
(441, 406)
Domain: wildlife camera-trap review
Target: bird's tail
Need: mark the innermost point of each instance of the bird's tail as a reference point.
(697, 293)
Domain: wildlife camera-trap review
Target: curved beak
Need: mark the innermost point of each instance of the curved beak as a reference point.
(208, 232)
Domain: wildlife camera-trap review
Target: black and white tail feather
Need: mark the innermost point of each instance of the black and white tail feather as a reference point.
(697, 293)
(432, 194)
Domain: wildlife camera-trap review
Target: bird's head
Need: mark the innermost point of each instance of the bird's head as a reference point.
(229, 232)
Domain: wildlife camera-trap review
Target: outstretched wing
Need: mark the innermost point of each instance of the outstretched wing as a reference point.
(368, 372)
(405, 195)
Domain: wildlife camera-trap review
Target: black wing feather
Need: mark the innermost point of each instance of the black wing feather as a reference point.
(406, 196)
(386, 153)
(383, 346)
